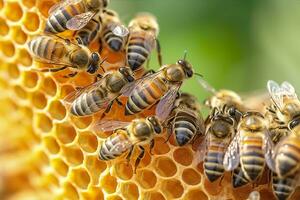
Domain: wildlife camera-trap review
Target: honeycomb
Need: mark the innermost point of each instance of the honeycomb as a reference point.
(48, 154)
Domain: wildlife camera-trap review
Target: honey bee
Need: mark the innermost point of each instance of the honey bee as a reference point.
(142, 40)
(114, 32)
(161, 86)
(284, 187)
(58, 51)
(72, 14)
(101, 94)
(186, 121)
(251, 148)
(287, 109)
(128, 135)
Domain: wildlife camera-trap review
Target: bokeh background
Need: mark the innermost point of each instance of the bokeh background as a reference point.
(237, 45)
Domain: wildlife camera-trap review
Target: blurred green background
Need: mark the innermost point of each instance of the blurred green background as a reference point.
(237, 45)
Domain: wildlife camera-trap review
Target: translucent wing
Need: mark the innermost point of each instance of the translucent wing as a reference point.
(106, 125)
(206, 85)
(60, 5)
(276, 93)
(166, 103)
(79, 21)
(268, 150)
(232, 156)
(119, 29)
(119, 146)
(288, 90)
(202, 149)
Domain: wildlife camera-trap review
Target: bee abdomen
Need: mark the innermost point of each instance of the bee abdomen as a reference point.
(88, 103)
(144, 97)
(114, 42)
(213, 166)
(107, 150)
(252, 163)
(184, 130)
(137, 52)
(287, 159)
(282, 187)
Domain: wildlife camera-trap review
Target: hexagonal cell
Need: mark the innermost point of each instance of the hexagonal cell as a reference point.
(183, 156)
(123, 170)
(65, 133)
(41, 158)
(51, 144)
(57, 110)
(66, 90)
(153, 196)
(44, 6)
(108, 183)
(30, 79)
(80, 178)
(49, 86)
(114, 197)
(4, 28)
(73, 155)
(191, 177)
(130, 190)
(24, 57)
(81, 122)
(88, 142)
(28, 3)
(20, 92)
(195, 194)
(49, 180)
(161, 147)
(31, 21)
(172, 188)
(7, 48)
(70, 191)
(165, 167)
(93, 193)
(95, 167)
(146, 179)
(18, 35)
(38, 100)
(13, 11)
(43, 122)
(13, 70)
(60, 166)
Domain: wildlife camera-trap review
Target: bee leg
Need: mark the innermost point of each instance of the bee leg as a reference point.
(100, 45)
(70, 75)
(221, 179)
(108, 108)
(53, 69)
(148, 62)
(149, 72)
(152, 142)
(97, 77)
(158, 49)
(118, 101)
(129, 155)
(138, 160)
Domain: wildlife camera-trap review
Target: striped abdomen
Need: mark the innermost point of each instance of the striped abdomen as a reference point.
(114, 146)
(138, 50)
(114, 42)
(252, 156)
(47, 48)
(56, 23)
(238, 177)
(88, 33)
(213, 162)
(288, 157)
(283, 187)
(89, 103)
(185, 127)
(145, 96)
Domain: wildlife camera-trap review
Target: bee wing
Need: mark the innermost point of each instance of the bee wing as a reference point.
(206, 85)
(60, 5)
(232, 156)
(288, 90)
(202, 148)
(268, 150)
(166, 103)
(276, 93)
(107, 125)
(79, 21)
(119, 29)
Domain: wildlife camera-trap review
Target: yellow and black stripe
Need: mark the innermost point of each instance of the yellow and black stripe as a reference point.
(56, 23)
(88, 33)
(144, 96)
(138, 50)
(185, 127)
(283, 187)
(114, 42)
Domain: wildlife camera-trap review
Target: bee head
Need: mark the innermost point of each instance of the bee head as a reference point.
(187, 67)
(127, 73)
(146, 22)
(155, 123)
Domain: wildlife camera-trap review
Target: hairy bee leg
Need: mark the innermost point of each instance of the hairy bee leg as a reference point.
(100, 45)
(53, 69)
(159, 55)
(138, 160)
(129, 155)
(70, 75)
(221, 179)
(152, 143)
(119, 102)
(98, 76)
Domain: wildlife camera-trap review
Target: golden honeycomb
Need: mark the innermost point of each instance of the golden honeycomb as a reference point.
(48, 154)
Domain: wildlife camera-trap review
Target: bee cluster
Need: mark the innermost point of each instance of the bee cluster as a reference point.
(234, 137)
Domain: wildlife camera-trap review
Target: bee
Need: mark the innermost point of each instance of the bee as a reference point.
(284, 187)
(128, 135)
(162, 87)
(114, 32)
(251, 148)
(287, 109)
(186, 121)
(101, 94)
(58, 51)
(142, 39)
(72, 14)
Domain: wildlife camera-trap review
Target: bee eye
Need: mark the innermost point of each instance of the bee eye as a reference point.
(189, 73)
(95, 57)
(294, 123)
(232, 112)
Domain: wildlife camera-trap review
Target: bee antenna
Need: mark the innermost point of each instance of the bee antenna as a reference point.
(100, 64)
(184, 54)
(197, 74)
